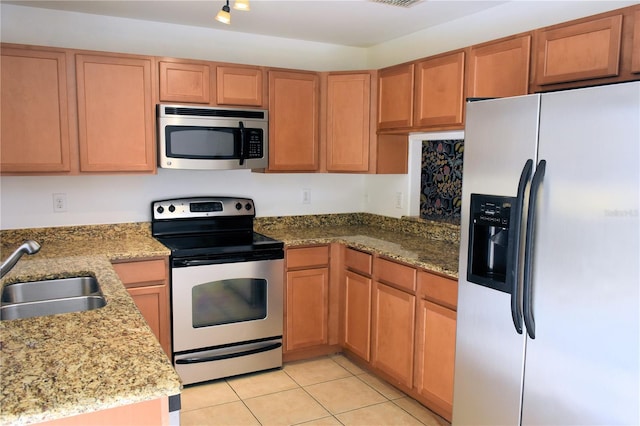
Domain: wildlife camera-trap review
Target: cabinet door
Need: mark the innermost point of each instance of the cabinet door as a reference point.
(393, 332)
(579, 51)
(635, 52)
(348, 112)
(147, 283)
(184, 82)
(439, 91)
(293, 121)
(307, 308)
(115, 114)
(239, 86)
(395, 97)
(499, 69)
(357, 314)
(35, 117)
(435, 356)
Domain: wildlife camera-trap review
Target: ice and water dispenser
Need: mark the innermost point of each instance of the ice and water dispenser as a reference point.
(490, 217)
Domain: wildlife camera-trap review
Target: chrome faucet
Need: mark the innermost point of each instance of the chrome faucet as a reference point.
(29, 247)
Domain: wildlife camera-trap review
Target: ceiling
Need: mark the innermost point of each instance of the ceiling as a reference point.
(359, 23)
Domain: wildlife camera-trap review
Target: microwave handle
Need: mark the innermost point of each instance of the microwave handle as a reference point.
(243, 143)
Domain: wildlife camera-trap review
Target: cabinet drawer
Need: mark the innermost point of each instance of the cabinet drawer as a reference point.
(145, 271)
(438, 289)
(358, 261)
(389, 272)
(306, 257)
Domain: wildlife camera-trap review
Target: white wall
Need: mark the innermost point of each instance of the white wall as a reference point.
(29, 25)
(509, 18)
(27, 201)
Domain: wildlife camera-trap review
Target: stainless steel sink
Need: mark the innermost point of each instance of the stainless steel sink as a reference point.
(51, 307)
(33, 291)
(49, 297)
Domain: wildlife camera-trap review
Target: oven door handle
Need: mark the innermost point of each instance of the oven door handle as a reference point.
(196, 360)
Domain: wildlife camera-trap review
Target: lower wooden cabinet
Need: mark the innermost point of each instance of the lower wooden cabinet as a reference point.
(147, 283)
(435, 355)
(393, 319)
(357, 314)
(308, 329)
(400, 321)
(307, 308)
(435, 342)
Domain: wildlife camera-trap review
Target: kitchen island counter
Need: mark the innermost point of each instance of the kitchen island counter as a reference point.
(70, 364)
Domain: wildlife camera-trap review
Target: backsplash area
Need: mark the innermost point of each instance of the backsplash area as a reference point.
(441, 180)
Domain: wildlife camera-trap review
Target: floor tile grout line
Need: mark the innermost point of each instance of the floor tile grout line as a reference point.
(358, 375)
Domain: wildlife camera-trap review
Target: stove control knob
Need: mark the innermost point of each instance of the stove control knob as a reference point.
(247, 206)
(172, 208)
(160, 209)
(238, 206)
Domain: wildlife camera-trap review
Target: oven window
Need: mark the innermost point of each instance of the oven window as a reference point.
(229, 301)
(201, 142)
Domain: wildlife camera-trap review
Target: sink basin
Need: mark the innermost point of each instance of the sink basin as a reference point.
(51, 307)
(49, 297)
(34, 291)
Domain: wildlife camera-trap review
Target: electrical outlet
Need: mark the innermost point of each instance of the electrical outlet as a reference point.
(306, 196)
(59, 202)
(398, 200)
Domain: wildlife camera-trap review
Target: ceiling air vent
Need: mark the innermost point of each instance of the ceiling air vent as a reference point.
(399, 3)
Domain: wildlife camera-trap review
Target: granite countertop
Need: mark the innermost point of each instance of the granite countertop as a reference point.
(68, 364)
(424, 244)
(63, 365)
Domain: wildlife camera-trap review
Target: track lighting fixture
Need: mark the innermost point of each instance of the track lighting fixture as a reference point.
(241, 5)
(224, 15)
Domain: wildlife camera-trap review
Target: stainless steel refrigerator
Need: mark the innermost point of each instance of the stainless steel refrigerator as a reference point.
(549, 306)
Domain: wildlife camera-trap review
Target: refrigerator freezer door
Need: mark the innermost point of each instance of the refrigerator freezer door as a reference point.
(582, 366)
(500, 135)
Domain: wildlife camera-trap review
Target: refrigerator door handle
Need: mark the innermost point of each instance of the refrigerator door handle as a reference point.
(513, 257)
(527, 301)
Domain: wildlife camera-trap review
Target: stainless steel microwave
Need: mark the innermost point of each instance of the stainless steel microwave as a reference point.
(202, 138)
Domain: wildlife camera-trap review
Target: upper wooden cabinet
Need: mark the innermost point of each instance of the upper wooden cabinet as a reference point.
(35, 130)
(499, 68)
(348, 137)
(115, 113)
(184, 82)
(579, 51)
(428, 94)
(395, 97)
(240, 86)
(294, 143)
(635, 55)
(439, 91)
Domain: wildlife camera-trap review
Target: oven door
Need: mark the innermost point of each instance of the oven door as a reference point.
(224, 304)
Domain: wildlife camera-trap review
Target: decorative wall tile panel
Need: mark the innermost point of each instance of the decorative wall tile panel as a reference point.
(441, 180)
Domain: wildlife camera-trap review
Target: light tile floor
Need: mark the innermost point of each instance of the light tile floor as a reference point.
(323, 391)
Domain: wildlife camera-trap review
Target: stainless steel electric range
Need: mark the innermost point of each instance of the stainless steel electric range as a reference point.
(226, 287)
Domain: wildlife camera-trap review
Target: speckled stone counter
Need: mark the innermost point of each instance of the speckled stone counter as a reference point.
(68, 364)
(425, 244)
